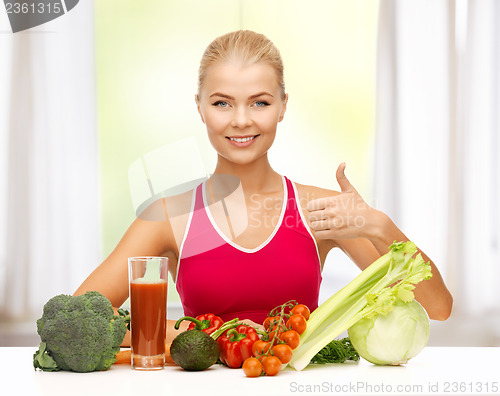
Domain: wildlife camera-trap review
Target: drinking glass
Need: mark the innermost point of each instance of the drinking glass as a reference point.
(148, 311)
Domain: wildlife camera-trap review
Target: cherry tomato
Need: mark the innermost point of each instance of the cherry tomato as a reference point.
(301, 309)
(252, 367)
(269, 320)
(259, 347)
(297, 323)
(273, 323)
(291, 338)
(283, 352)
(274, 336)
(272, 365)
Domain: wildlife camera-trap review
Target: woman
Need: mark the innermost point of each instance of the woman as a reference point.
(268, 242)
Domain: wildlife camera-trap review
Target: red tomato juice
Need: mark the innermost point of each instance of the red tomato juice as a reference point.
(148, 311)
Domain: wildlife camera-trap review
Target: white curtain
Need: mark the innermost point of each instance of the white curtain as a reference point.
(437, 167)
(49, 231)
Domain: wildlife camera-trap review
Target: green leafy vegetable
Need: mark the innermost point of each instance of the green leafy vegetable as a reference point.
(43, 361)
(390, 278)
(336, 351)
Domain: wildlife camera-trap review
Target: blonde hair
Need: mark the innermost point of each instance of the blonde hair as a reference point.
(245, 46)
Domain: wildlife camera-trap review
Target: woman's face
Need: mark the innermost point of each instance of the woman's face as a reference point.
(241, 106)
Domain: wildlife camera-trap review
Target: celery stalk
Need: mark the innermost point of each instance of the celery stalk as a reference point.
(372, 292)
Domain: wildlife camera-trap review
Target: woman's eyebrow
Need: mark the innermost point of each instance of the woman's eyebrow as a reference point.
(222, 95)
(263, 93)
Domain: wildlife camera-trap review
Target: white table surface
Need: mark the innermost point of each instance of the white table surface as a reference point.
(435, 371)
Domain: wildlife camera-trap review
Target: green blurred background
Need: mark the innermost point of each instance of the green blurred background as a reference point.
(147, 61)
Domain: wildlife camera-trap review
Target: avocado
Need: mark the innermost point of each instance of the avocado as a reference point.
(194, 350)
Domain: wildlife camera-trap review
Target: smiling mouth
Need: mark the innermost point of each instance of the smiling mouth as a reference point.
(242, 139)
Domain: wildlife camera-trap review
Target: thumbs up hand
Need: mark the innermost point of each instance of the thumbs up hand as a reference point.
(344, 183)
(342, 216)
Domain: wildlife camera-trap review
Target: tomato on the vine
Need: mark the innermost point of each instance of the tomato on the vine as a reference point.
(291, 338)
(301, 309)
(283, 352)
(274, 323)
(268, 321)
(297, 322)
(274, 336)
(272, 365)
(260, 347)
(252, 367)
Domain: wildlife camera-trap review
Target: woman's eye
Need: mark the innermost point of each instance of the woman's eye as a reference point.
(261, 104)
(220, 103)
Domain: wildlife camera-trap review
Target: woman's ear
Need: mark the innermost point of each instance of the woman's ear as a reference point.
(283, 108)
(197, 100)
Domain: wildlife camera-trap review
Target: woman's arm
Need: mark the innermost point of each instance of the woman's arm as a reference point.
(110, 278)
(365, 234)
(432, 293)
(143, 238)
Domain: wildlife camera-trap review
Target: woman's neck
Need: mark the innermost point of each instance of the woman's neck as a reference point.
(257, 177)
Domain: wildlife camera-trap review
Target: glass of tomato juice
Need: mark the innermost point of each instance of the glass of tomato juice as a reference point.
(148, 311)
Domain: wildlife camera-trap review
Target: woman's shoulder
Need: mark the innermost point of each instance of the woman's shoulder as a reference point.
(308, 193)
(165, 208)
(168, 216)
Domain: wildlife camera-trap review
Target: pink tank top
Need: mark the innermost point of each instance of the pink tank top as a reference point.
(214, 275)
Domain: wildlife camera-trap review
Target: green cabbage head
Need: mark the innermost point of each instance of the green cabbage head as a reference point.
(392, 339)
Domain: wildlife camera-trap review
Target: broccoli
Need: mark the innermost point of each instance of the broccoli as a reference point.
(79, 333)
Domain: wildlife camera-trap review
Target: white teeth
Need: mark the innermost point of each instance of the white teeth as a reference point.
(242, 140)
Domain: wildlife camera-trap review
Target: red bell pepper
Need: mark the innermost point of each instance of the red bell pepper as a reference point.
(207, 323)
(236, 345)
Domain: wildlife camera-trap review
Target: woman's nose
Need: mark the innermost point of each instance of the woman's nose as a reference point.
(241, 119)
